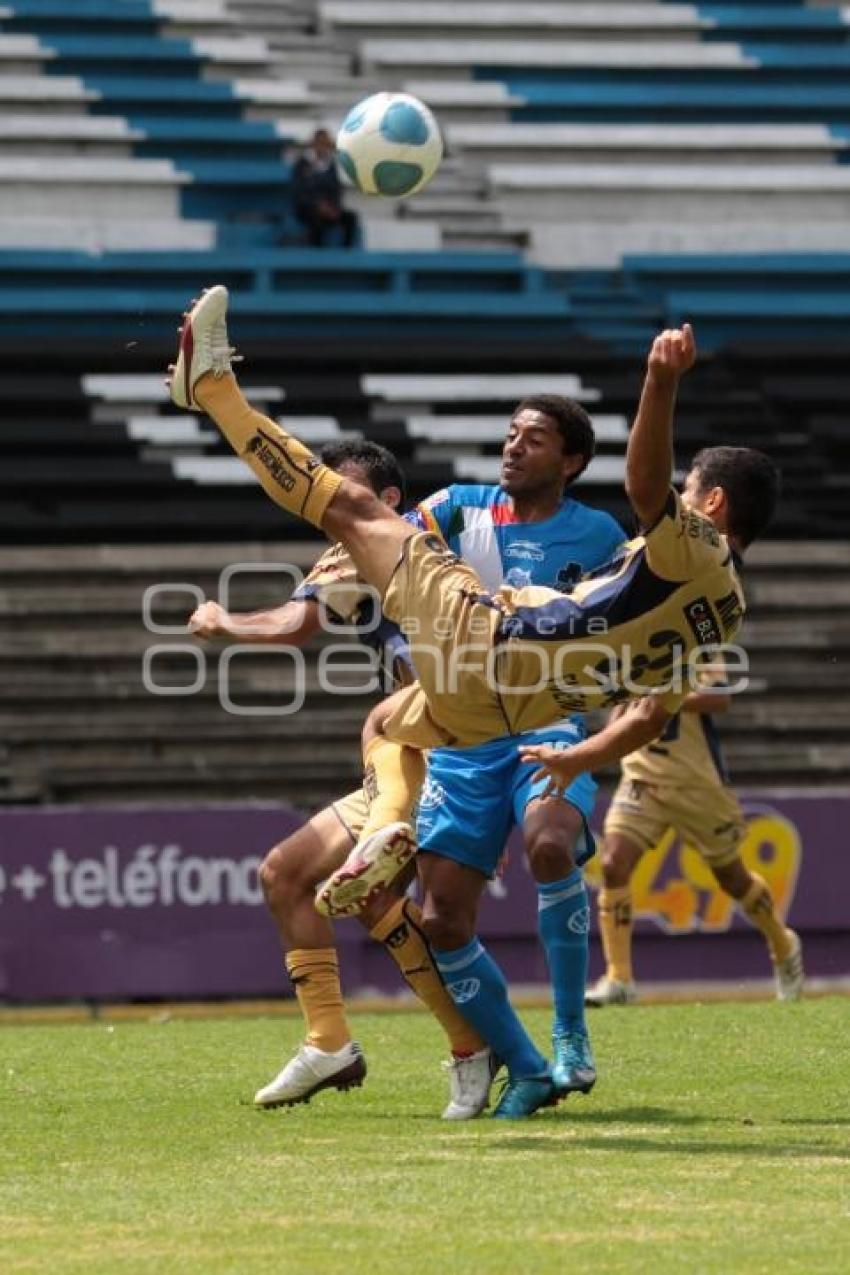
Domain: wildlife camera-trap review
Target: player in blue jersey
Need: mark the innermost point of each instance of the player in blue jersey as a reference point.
(525, 531)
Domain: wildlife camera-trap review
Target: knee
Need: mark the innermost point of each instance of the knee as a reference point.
(279, 878)
(617, 864)
(550, 856)
(271, 875)
(446, 928)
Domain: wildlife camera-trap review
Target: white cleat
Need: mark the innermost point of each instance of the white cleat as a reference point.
(311, 1070)
(789, 974)
(470, 1080)
(608, 991)
(204, 346)
(372, 865)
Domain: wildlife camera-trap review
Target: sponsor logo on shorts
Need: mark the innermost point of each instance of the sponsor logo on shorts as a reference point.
(703, 622)
(465, 990)
(433, 794)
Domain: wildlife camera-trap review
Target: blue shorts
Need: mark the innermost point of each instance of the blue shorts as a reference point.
(473, 797)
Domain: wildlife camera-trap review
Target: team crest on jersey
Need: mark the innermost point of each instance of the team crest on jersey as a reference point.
(568, 576)
(518, 578)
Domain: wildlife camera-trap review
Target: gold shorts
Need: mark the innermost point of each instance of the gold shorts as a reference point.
(434, 597)
(708, 819)
(352, 811)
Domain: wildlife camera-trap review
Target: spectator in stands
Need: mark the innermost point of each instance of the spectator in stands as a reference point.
(317, 193)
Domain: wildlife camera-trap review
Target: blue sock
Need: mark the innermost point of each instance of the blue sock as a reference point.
(563, 922)
(478, 988)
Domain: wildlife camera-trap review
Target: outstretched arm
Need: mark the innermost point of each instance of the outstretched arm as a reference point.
(626, 732)
(290, 625)
(649, 456)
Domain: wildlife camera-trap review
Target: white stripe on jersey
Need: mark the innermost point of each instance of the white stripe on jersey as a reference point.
(480, 548)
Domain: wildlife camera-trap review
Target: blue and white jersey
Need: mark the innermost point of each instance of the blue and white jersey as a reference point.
(480, 525)
(474, 796)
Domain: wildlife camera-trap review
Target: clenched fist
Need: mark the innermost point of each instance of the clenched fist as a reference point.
(674, 352)
(209, 621)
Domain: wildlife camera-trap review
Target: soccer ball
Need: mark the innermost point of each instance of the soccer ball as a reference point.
(390, 144)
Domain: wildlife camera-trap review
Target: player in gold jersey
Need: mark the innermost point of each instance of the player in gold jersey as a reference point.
(679, 781)
(496, 664)
(491, 664)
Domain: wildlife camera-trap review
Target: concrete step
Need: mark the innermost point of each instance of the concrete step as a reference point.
(286, 62)
(264, 18)
(465, 236)
(448, 207)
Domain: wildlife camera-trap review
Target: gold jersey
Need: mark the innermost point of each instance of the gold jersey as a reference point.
(520, 659)
(686, 756)
(349, 601)
(333, 582)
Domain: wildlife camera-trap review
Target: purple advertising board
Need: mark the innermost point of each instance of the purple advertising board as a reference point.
(139, 903)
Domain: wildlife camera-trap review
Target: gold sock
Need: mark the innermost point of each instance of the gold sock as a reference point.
(757, 906)
(615, 927)
(315, 977)
(393, 778)
(400, 932)
(288, 471)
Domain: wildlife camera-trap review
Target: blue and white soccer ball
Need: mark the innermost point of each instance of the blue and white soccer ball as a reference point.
(390, 144)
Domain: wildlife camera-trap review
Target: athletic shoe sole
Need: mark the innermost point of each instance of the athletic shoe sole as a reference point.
(367, 870)
(182, 376)
(350, 1077)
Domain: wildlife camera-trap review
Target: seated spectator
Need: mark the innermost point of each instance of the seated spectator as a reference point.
(317, 193)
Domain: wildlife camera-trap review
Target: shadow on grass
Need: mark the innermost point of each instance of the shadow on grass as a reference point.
(571, 1116)
(814, 1120)
(543, 1141)
(641, 1115)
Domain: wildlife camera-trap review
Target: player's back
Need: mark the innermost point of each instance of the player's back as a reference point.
(685, 757)
(627, 629)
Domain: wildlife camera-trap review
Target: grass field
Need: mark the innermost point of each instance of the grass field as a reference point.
(715, 1141)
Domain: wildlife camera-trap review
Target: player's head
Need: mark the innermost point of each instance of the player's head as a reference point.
(550, 442)
(371, 466)
(736, 487)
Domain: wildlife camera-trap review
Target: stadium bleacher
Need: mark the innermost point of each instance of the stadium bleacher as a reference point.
(612, 169)
(78, 723)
